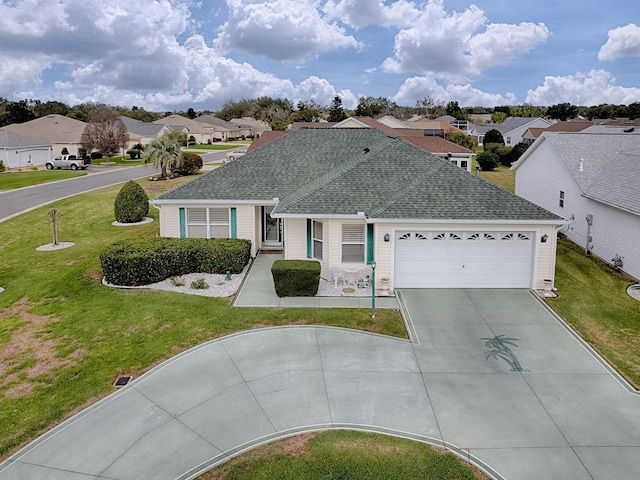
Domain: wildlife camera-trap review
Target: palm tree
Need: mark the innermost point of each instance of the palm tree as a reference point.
(164, 153)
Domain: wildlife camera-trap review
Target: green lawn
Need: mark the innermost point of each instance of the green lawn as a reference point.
(11, 180)
(217, 146)
(345, 455)
(592, 298)
(501, 176)
(64, 337)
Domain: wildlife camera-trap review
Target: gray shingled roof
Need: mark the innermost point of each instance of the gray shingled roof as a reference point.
(345, 171)
(142, 128)
(15, 140)
(619, 183)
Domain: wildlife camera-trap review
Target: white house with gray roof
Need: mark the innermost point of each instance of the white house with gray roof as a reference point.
(349, 197)
(144, 132)
(592, 179)
(512, 129)
(18, 151)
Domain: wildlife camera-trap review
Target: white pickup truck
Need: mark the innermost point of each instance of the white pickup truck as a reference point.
(67, 161)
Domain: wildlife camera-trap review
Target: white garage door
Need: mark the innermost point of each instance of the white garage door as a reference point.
(449, 259)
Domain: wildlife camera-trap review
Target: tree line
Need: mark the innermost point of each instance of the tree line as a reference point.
(280, 112)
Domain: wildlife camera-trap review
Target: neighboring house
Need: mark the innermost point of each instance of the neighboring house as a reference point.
(224, 131)
(257, 126)
(61, 131)
(18, 150)
(573, 126)
(438, 127)
(349, 197)
(143, 132)
(512, 129)
(593, 180)
(454, 153)
(202, 132)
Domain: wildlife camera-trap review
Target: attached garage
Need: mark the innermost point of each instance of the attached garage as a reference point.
(450, 259)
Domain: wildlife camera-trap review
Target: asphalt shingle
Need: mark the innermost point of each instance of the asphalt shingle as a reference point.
(346, 171)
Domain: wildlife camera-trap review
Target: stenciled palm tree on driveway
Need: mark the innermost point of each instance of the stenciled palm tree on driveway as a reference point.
(499, 346)
(163, 153)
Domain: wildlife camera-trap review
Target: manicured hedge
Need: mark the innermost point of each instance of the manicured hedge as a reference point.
(296, 278)
(137, 262)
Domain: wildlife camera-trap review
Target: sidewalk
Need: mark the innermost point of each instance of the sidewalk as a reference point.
(257, 290)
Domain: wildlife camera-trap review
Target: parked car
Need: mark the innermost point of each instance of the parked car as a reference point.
(67, 162)
(233, 154)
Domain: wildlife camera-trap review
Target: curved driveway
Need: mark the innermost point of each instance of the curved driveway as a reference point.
(537, 404)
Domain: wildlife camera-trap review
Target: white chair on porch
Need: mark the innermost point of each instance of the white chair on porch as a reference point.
(337, 274)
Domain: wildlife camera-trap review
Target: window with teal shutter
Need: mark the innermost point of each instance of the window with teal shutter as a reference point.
(234, 223)
(370, 258)
(309, 239)
(183, 223)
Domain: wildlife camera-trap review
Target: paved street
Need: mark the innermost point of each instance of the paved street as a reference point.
(18, 201)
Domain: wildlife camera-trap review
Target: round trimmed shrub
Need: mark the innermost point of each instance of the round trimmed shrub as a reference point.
(191, 164)
(488, 161)
(132, 203)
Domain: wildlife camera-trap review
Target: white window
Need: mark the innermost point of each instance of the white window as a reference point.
(561, 199)
(353, 243)
(208, 222)
(317, 240)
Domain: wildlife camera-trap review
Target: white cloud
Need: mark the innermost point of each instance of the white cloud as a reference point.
(18, 73)
(451, 45)
(415, 88)
(500, 43)
(289, 30)
(593, 88)
(361, 13)
(623, 42)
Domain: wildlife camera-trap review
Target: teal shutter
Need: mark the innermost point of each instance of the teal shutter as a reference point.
(370, 257)
(309, 240)
(183, 223)
(234, 223)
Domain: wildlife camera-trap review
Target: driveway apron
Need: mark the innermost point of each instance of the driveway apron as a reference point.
(491, 374)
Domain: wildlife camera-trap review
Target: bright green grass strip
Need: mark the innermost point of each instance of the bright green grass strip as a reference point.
(12, 180)
(345, 455)
(501, 176)
(592, 298)
(214, 146)
(96, 333)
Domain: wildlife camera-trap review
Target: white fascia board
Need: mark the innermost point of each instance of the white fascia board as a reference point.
(318, 216)
(209, 201)
(467, 221)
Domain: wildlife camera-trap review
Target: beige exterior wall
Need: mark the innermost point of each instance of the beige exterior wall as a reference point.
(295, 239)
(170, 221)
(246, 223)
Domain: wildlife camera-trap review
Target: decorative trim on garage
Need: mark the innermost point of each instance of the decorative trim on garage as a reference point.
(463, 259)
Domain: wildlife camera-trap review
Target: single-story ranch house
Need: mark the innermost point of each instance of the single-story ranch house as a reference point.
(351, 197)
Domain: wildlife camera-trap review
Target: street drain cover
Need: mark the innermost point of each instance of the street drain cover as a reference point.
(122, 381)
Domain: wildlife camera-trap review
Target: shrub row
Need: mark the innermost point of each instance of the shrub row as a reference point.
(137, 262)
(296, 278)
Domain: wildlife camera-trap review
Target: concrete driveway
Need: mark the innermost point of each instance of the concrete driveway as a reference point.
(491, 374)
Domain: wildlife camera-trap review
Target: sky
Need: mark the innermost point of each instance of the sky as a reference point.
(167, 55)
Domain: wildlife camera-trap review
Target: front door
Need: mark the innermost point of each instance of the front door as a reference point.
(271, 229)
